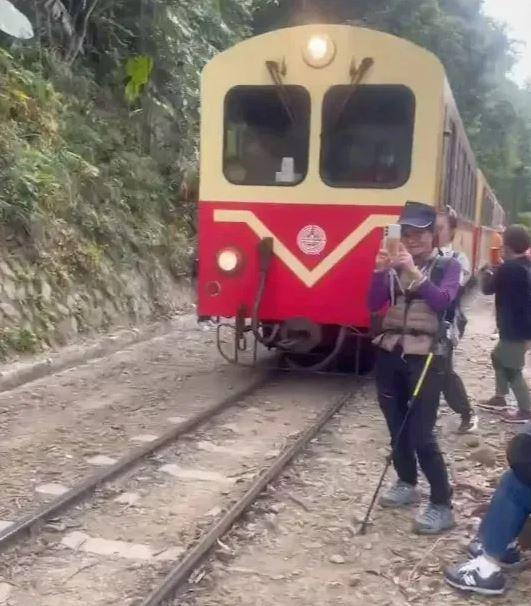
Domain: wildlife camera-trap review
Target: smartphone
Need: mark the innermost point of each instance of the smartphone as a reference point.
(393, 233)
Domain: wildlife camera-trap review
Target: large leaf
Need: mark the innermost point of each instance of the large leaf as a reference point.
(139, 70)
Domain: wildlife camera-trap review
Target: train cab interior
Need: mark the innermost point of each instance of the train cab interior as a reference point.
(267, 135)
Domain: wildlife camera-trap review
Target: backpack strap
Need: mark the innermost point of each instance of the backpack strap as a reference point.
(438, 268)
(436, 275)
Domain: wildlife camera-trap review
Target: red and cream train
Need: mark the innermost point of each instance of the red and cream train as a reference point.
(312, 140)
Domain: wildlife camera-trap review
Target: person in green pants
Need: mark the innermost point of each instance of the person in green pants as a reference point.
(510, 282)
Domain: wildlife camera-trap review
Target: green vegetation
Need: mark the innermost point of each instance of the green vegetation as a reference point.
(22, 340)
(99, 119)
(99, 114)
(98, 160)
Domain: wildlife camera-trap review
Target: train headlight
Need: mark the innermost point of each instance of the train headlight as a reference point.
(319, 51)
(229, 260)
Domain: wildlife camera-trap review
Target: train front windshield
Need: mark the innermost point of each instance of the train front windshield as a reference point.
(267, 135)
(367, 136)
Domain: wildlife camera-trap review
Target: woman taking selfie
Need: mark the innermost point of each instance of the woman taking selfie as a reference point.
(417, 286)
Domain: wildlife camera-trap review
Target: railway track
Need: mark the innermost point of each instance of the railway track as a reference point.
(52, 429)
(282, 421)
(182, 570)
(28, 524)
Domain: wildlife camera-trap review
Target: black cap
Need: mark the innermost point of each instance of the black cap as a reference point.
(419, 215)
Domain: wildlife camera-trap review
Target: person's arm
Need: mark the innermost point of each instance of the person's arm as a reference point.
(437, 297)
(378, 295)
(379, 290)
(488, 280)
(440, 297)
(466, 269)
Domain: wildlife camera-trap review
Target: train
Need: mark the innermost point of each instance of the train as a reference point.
(312, 140)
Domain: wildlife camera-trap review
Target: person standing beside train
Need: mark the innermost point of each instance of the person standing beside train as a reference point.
(417, 288)
(454, 390)
(510, 282)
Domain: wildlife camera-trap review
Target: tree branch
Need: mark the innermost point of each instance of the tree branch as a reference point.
(78, 39)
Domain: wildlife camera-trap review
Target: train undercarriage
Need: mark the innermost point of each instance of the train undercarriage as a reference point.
(303, 345)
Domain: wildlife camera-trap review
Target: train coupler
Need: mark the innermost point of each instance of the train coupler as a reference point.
(240, 330)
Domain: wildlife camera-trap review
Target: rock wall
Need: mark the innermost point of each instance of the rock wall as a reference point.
(44, 307)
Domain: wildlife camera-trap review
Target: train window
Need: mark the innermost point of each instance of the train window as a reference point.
(464, 189)
(267, 134)
(467, 189)
(460, 191)
(450, 155)
(473, 196)
(367, 136)
(457, 176)
(487, 209)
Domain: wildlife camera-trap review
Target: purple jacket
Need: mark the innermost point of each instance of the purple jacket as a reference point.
(438, 298)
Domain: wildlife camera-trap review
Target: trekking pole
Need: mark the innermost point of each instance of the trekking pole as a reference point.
(389, 458)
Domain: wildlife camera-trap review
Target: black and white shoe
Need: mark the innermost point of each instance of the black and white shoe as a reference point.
(512, 558)
(473, 578)
(469, 424)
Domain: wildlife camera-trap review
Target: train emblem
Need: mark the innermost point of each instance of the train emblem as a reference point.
(312, 240)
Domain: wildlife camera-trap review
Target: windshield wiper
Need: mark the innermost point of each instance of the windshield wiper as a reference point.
(357, 74)
(277, 71)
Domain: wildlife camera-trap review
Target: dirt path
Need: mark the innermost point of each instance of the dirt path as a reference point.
(305, 552)
(296, 547)
(123, 540)
(52, 429)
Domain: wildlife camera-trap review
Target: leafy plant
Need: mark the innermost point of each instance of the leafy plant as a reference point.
(22, 340)
(139, 70)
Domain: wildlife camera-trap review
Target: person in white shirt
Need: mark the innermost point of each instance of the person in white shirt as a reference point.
(454, 390)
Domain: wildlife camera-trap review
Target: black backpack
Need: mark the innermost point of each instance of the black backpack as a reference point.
(454, 313)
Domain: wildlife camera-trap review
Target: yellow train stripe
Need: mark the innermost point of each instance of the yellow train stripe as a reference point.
(309, 277)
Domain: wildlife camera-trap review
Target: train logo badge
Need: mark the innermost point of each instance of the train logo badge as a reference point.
(312, 240)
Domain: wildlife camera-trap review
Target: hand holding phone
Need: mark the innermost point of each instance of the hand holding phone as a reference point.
(405, 260)
(393, 235)
(383, 260)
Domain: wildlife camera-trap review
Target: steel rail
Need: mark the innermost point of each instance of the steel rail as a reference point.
(28, 524)
(184, 568)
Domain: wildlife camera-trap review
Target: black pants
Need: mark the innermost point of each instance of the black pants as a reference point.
(396, 377)
(454, 390)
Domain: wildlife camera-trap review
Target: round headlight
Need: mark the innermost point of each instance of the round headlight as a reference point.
(319, 51)
(228, 260)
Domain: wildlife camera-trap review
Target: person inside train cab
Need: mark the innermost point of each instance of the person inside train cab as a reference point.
(510, 282)
(385, 166)
(416, 287)
(454, 390)
(256, 162)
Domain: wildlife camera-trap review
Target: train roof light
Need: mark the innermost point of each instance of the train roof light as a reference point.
(319, 51)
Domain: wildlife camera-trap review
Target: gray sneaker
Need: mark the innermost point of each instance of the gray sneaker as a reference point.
(400, 495)
(435, 520)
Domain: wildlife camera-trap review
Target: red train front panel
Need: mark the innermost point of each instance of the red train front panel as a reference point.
(323, 259)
